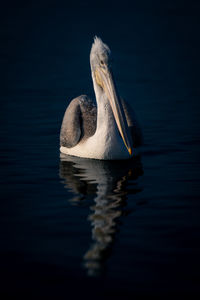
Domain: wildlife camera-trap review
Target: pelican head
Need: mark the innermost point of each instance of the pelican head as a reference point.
(100, 61)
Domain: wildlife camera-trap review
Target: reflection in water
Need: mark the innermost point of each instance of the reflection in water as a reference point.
(103, 182)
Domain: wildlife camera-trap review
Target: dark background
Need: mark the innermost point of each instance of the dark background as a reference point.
(44, 56)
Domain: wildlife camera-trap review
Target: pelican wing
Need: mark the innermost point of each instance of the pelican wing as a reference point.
(79, 121)
(133, 124)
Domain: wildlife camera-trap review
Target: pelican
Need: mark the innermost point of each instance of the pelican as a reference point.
(107, 130)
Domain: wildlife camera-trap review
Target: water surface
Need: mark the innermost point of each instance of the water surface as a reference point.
(90, 228)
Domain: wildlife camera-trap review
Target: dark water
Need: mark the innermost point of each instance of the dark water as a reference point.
(74, 228)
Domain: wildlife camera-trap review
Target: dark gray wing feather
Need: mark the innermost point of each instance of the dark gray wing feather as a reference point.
(133, 124)
(79, 121)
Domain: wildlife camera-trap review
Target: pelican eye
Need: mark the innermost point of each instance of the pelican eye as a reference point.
(102, 62)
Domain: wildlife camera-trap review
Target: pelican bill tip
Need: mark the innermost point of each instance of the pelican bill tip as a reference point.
(130, 151)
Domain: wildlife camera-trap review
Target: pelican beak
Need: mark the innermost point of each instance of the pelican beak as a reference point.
(105, 79)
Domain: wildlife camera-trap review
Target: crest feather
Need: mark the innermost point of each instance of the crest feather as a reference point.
(100, 47)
